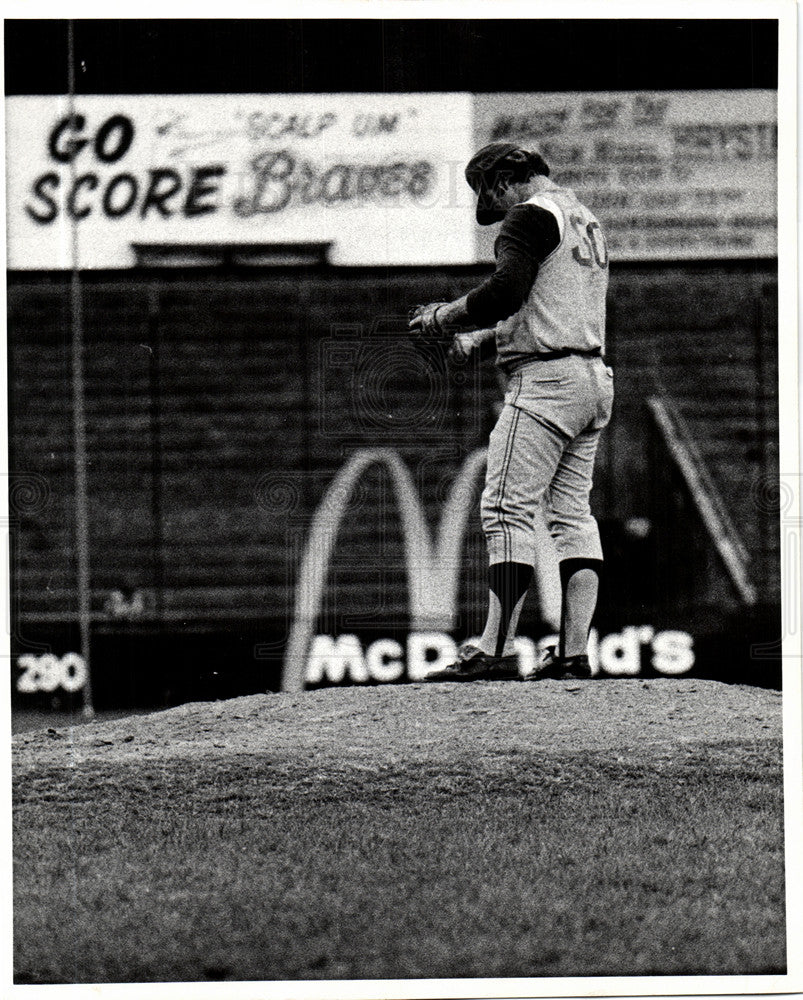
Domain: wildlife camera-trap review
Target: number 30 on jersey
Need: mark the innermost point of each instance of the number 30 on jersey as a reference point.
(592, 248)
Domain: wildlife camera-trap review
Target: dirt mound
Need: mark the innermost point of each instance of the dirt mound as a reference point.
(622, 827)
(433, 722)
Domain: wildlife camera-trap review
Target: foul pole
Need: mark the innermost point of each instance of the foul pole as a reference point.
(81, 509)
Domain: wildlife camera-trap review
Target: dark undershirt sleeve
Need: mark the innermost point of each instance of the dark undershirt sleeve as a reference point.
(528, 236)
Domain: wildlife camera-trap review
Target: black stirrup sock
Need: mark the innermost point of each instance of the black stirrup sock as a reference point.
(584, 604)
(509, 581)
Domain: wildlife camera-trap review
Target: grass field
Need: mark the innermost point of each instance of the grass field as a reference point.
(550, 829)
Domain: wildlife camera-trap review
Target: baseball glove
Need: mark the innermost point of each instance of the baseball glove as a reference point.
(428, 338)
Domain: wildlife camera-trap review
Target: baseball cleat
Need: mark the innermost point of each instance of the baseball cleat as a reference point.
(472, 664)
(560, 668)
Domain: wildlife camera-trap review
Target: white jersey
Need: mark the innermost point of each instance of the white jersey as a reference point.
(566, 305)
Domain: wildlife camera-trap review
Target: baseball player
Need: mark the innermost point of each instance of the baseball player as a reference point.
(544, 306)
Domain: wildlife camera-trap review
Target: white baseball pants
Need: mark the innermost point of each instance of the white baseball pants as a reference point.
(543, 447)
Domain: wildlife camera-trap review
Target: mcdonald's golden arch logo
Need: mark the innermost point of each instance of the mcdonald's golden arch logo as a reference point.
(433, 574)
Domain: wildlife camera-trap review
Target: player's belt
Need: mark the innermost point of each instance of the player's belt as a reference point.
(564, 352)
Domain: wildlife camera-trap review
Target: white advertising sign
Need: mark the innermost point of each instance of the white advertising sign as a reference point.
(671, 175)
(375, 174)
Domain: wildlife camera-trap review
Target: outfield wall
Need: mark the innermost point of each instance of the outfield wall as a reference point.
(221, 405)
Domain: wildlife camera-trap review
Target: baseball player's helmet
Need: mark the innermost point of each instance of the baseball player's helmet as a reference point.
(496, 164)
